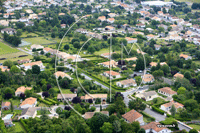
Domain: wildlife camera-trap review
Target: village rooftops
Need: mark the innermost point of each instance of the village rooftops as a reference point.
(91, 96)
(167, 90)
(154, 126)
(5, 104)
(23, 89)
(127, 81)
(29, 101)
(113, 73)
(131, 59)
(33, 63)
(178, 75)
(89, 115)
(132, 115)
(29, 111)
(176, 104)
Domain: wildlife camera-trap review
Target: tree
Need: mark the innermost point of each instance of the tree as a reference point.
(158, 74)
(19, 32)
(53, 35)
(193, 131)
(197, 96)
(59, 110)
(165, 69)
(91, 49)
(97, 121)
(28, 93)
(142, 130)
(35, 69)
(137, 104)
(120, 106)
(139, 64)
(67, 108)
(107, 128)
(45, 94)
(76, 100)
(191, 104)
(181, 90)
(173, 110)
(187, 75)
(117, 126)
(14, 69)
(8, 63)
(66, 47)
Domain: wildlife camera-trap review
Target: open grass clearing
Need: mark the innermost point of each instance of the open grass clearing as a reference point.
(5, 49)
(38, 40)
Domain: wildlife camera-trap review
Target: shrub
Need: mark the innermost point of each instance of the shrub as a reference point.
(25, 125)
(158, 110)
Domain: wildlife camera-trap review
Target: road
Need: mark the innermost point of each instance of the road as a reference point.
(25, 51)
(156, 115)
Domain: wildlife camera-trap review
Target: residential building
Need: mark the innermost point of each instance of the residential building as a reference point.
(89, 115)
(112, 15)
(140, 25)
(28, 66)
(27, 113)
(150, 36)
(186, 57)
(9, 31)
(147, 78)
(147, 96)
(131, 40)
(28, 102)
(112, 74)
(126, 83)
(5, 105)
(107, 55)
(35, 46)
(167, 106)
(157, 47)
(62, 75)
(109, 28)
(102, 18)
(103, 97)
(4, 68)
(131, 59)
(21, 90)
(153, 127)
(178, 75)
(109, 64)
(24, 61)
(167, 91)
(110, 20)
(132, 116)
(69, 97)
(63, 25)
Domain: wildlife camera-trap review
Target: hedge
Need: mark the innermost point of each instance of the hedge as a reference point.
(13, 115)
(24, 125)
(183, 119)
(158, 105)
(158, 110)
(147, 115)
(51, 100)
(45, 101)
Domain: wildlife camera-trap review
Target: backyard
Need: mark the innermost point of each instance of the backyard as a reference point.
(17, 128)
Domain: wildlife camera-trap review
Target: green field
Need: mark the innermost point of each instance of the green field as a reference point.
(17, 128)
(38, 40)
(5, 49)
(195, 126)
(25, 34)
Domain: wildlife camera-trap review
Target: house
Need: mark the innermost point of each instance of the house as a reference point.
(4, 23)
(178, 75)
(112, 15)
(153, 127)
(110, 20)
(167, 91)
(109, 28)
(147, 78)
(109, 64)
(140, 25)
(89, 115)
(186, 57)
(156, 18)
(126, 83)
(4, 68)
(62, 75)
(5, 105)
(131, 40)
(103, 97)
(35, 46)
(63, 55)
(138, 33)
(24, 61)
(21, 90)
(61, 14)
(27, 113)
(9, 31)
(153, 64)
(29, 65)
(102, 18)
(147, 96)
(112, 74)
(74, 58)
(69, 97)
(157, 47)
(150, 36)
(47, 50)
(131, 59)
(160, 13)
(132, 116)
(107, 55)
(167, 106)
(28, 102)
(8, 122)
(63, 25)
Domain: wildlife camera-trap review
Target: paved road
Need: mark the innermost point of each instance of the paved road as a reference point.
(25, 51)
(156, 115)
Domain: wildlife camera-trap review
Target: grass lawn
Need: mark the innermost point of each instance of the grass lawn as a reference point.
(41, 104)
(147, 119)
(25, 34)
(5, 49)
(17, 128)
(39, 112)
(14, 56)
(195, 126)
(159, 101)
(66, 91)
(38, 40)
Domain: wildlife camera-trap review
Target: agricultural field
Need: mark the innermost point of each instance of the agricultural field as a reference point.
(195, 126)
(38, 40)
(5, 49)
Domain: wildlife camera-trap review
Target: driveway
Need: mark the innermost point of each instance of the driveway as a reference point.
(154, 114)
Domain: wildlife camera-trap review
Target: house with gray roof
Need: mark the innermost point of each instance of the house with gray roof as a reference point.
(147, 96)
(28, 112)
